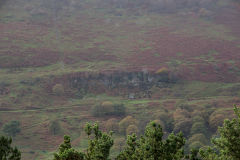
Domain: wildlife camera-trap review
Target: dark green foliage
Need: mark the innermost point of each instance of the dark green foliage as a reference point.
(228, 144)
(66, 152)
(151, 146)
(101, 110)
(119, 109)
(108, 108)
(12, 128)
(100, 145)
(193, 155)
(6, 151)
(130, 149)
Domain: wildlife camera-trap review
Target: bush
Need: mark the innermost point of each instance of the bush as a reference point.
(180, 114)
(216, 120)
(162, 71)
(196, 145)
(184, 126)
(198, 119)
(58, 89)
(119, 144)
(107, 104)
(162, 115)
(198, 127)
(124, 123)
(55, 128)
(112, 125)
(187, 107)
(119, 110)
(198, 137)
(165, 118)
(131, 129)
(102, 110)
(12, 128)
(108, 108)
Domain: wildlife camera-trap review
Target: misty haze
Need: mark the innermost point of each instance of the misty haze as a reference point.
(122, 64)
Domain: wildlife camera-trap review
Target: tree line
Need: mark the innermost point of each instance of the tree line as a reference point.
(150, 146)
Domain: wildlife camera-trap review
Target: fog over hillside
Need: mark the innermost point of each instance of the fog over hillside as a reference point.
(122, 63)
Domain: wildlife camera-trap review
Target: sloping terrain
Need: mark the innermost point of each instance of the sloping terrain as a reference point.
(118, 51)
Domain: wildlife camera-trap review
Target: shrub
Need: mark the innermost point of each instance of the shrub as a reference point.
(119, 144)
(12, 128)
(58, 89)
(112, 125)
(180, 114)
(198, 137)
(131, 129)
(184, 126)
(107, 104)
(198, 127)
(124, 123)
(119, 110)
(162, 70)
(166, 119)
(196, 145)
(163, 75)
(55, 128)
(185, 106)
(102, 110)
(215, 121)
(162, 115)
(198, 119)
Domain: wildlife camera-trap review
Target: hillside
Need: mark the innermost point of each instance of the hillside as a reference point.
(58, 59)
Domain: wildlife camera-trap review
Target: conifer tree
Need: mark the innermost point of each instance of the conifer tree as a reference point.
(7, 152)
(66, 152)
(99, 146)
(227, 146)
(151, 146)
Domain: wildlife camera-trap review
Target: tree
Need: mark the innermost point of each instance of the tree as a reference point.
(58, 89)
(227, 146)
(55, 128)
(111, 125)
(151, 145)
(131, 129)
(100, 145)
(6, 151)
(198, 127)
(198, 137)
(124, 123)
(119, 143)
(106, 108)
(66, 152)
(12, 128)
(184, 126)
(119, 110)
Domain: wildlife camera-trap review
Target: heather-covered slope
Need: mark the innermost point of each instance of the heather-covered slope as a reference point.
(60, 59)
